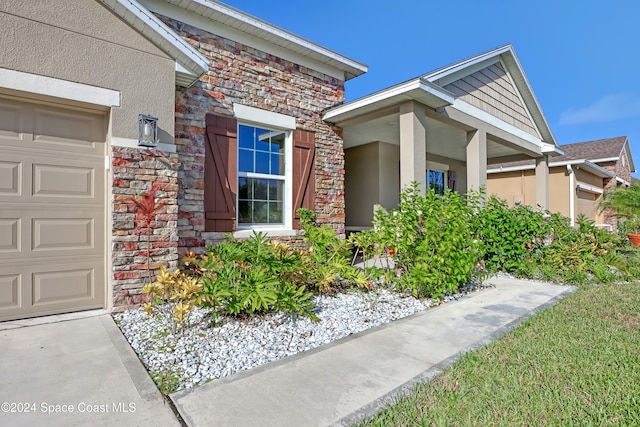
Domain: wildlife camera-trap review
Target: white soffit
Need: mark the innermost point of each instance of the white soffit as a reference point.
(419, 90)
(232, 23)
(190, 64)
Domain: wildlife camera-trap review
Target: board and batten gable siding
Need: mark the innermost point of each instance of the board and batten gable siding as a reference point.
(491, 90)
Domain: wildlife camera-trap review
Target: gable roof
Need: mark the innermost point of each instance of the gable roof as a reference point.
(599, 150)
(506, 54)
(236, 19)
(592, 152)
(429, 89)
(191, 64)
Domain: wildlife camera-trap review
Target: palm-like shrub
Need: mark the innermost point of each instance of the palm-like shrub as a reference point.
(625, 202)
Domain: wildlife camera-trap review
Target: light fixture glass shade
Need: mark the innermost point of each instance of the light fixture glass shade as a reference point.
(147, 130)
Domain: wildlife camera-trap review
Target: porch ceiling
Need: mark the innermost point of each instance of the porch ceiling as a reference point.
(442, 139)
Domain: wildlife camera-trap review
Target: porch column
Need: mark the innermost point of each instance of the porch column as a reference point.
(542, 182)
(476, 159)
(413, 145)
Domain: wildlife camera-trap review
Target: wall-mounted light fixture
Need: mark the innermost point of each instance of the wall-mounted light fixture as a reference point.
(147, 130)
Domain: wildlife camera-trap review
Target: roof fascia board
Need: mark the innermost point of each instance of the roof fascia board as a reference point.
(462, 72)
(421, 84)
(593, 168)
(512, 169)
(627, 148)
(606, 159)
(140, 18)
(439, 75)
(193, 12)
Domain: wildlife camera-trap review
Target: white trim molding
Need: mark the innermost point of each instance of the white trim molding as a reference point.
(64, 89)
(133, 143)
(589, 189)
(261, 117)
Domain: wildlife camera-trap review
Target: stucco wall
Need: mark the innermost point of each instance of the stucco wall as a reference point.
(521, 185)
(362, 185)
(81, 41)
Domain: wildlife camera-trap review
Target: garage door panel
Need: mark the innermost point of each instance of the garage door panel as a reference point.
(10, 177)
(62, 287)
(63, 181)
(10, 235)
(10, 292)
(11, 121)
(55, 234)
(71, 130)
(62, 232)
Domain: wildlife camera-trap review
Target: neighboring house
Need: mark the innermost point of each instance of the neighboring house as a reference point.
(241, 141)
(442, 129)
(578, 179)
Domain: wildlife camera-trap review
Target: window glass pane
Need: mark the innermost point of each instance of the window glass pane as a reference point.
(275, 190)
(243, 189)
(262, 162)
(260, 212)
(260, 187)
(244, 212)
(277, 143)
(275, 212)
(436, 181)
(246, 136)
(263, 140)
(277, 164)
(245, 162)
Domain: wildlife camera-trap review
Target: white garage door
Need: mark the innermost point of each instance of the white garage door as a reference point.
(52, 209)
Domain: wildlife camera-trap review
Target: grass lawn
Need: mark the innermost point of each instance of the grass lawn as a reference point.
(577, 363)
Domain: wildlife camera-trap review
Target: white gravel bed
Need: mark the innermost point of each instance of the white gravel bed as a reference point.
(203, 352)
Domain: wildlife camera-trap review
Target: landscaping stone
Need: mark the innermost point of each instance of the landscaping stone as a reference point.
(204, 352)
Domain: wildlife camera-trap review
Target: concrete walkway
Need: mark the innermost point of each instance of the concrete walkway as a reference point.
(82, 372)
(343, 382)
(79, 372)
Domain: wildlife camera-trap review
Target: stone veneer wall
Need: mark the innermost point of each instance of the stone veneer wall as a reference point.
(241, 74)
(622, 170)
(134, 172)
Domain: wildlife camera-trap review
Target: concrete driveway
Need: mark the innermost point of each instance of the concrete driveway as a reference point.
(79, 372)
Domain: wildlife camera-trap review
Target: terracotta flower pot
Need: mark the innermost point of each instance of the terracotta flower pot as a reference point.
(635, 239)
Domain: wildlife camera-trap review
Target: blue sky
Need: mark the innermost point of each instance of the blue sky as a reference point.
(582, 58)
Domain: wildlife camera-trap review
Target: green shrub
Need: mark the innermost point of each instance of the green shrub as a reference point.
(328, 259)
(253, 276)
(509, 236)
(432, 240)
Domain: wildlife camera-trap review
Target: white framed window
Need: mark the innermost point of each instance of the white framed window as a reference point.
(263, 195)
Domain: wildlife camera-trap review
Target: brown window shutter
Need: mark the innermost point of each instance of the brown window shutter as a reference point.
(304, 173)
(220, 173)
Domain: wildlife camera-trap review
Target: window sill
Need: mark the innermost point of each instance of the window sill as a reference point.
(270, 232)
